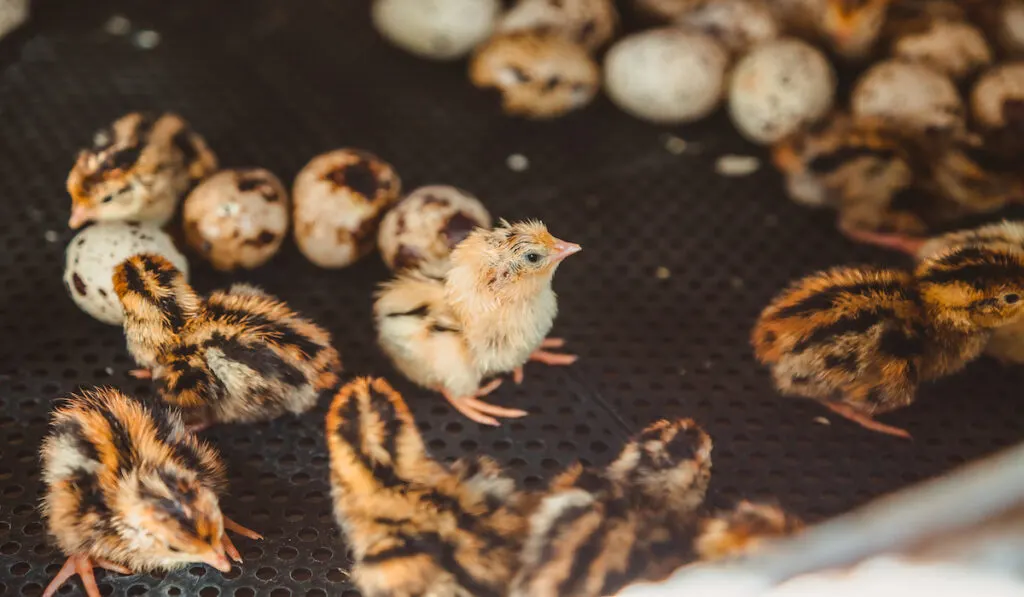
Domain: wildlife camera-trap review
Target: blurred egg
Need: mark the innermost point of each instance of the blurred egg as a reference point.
(436, 29)
(996, 92)
(911, 97)
(738, 25)
(954, 48)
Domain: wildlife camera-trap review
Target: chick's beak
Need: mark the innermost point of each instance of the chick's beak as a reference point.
(216, 558)
(564, 249)
(80, 215)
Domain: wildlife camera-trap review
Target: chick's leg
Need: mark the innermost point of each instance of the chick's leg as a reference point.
(237, 528)
(82, 565)
(141, 373)
(866, 421)
(480, 411)
(548, 358)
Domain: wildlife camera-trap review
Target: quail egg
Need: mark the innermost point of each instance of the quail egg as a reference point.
(911, 97)
(666, 75)
(778, 87)
(998, 91)
(738, 25)
(955, 48)
(589, 23)
(436, 29)
(340, 197)
(92, 255)
(665, 9)
(237, 218)
(426, 225)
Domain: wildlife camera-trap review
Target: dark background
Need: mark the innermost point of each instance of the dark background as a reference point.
(273, 83)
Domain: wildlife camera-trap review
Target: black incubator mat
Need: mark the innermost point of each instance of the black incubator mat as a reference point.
(677, 263)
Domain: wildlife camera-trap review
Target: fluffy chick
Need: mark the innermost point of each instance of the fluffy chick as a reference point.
(488, 315)
(855, 165)
(239, 356)
(416, 527)
(130, 491)
(742, 530)
(137, 170)
(852, 27)
(860, 340)
(596, 531)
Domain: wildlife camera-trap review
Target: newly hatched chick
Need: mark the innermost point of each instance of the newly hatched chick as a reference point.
(742, 530)
(137, 170)
(416, 527)
(489, 315)
(855, 165)
(239, 356)
(596, 531)
(860, 340)
(131, 492)
(971, 172)
(851, 27)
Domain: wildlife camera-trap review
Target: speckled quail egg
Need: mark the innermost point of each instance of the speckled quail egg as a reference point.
(911, 97)
(997, 91)
(665, 9)
(666, 75)
(954, 48)
(237, 218)
(436, 29)
(1010, 27)
(590, 23)
(92, 255)
(340, 197)
(425, 226)
(778, 87)
(737, 24)
(539, 75)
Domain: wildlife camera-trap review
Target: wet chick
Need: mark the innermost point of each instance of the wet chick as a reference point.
(488, 315)
(596, 531)
(860, 340)
(137, 170)
(416, 527)
(855, 165)
(130, 491)
(742, 530)
(239, 356)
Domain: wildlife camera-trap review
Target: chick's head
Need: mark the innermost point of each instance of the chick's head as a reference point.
(515, 261)
(853, 25)
(971, 287)
(175, 516)
(151, 283)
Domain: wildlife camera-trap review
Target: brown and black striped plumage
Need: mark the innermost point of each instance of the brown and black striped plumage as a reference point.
(862, 339)
(241, 355)
(596, 531)
(130, 490)
(742, 530)
(417, 527)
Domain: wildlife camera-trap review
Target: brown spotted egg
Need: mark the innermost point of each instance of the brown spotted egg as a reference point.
(911, 97)
(425, 226)
(237, 218)
(340, 197)
(538, 74)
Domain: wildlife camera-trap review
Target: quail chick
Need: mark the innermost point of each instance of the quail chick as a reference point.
(131, 492)
(855, 165)
(416, 527)
(239, 356)
(137, 170)
(852, 27)
(742, 530)
(596, 531)
(860, 340)
(488, 315)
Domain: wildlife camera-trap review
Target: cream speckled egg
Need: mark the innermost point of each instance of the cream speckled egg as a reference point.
(426, 225)
(340, 197)
(912, 97)
(737, 24)
(954, 48)
(778, 87)
(996, 91)
(92, 255)
(1010, 27)
(666, 75)
(436, 29)
(237, 218)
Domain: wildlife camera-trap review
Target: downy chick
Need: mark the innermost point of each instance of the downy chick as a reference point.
(596, 531)
(742, 530)
(852, 27)
(239, 356)
(416, 527)
(856, 166)
(137, 170)
(131, 492)
(489, 315)
(860, 340)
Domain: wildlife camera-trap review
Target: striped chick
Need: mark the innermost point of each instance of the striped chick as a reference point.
(131, 491)
(742, 530)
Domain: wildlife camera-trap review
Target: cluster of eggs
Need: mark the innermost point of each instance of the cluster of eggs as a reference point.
(540, 55)
(343, 204)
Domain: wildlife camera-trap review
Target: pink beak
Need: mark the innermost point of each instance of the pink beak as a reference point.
(564, 249)
(218, 560)
(80, 215)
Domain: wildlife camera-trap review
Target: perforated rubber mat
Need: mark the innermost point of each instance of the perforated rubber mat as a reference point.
(272, 83)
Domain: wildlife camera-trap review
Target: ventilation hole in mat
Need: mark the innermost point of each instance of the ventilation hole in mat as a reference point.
(322, 554)
(209, 591)
(287, 553)
(197, 571)
(266, 573)
(301, 574)
(316, 593)
(244, 592)
(20, 568)
(136, 590)
(335, 575)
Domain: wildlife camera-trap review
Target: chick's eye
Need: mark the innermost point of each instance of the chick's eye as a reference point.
(1011, 298)
(108, 198)
(533, 257)
(173, 549)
